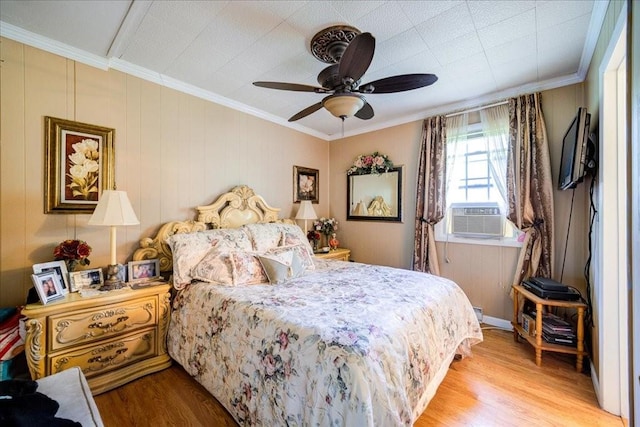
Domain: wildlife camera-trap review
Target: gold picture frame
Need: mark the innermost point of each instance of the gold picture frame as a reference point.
(79, 165)
(305, 184)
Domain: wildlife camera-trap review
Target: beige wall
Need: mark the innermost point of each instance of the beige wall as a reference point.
(173, 152)
(484, 272)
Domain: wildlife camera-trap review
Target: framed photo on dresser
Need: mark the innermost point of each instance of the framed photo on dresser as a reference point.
(59, 268)
(143, 271)
(86, 279)
(47, 286)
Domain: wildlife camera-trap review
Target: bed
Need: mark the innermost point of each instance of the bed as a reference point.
(279, 337)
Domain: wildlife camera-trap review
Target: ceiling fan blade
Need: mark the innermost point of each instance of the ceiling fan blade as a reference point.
(357, 57)
(399, 83)
(291, 86)
(366, 112)
(304, 113)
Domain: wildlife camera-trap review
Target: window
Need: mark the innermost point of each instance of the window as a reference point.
(470, 178)
(476, 181)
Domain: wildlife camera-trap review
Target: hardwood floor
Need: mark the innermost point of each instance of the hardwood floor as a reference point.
(500, 385)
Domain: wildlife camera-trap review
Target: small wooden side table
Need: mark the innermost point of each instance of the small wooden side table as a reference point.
(536, 341)
(340, 254)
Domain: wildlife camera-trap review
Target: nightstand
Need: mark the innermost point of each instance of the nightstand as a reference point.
(536, 341)
(340, 254)
(114, 337)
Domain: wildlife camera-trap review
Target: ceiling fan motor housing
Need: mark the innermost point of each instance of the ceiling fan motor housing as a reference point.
(329, 44)
(330, 78)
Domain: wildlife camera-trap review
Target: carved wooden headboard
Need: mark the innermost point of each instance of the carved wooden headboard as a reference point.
(233, 209)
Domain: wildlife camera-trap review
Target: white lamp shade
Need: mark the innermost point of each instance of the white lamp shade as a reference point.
(306, 211)
(114, 208)
(343, 105)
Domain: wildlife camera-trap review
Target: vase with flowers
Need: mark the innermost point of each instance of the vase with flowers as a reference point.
(326, 226)
(72, 252)
(314, 238)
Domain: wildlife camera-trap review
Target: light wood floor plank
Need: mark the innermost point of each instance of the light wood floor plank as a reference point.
(500, 385)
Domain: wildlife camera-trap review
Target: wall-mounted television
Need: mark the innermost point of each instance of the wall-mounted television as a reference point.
(575, 146)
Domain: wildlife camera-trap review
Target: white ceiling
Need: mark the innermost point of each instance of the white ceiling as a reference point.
(481, 51)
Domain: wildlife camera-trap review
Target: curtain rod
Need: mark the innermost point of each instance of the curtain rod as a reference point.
(482, 107)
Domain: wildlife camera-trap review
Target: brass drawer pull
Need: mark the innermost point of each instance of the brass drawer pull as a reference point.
(110, 358)
(109, 325)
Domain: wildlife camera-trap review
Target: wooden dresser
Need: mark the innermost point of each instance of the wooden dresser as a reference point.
(114, 337)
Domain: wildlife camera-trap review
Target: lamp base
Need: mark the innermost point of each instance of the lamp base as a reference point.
(112, 281)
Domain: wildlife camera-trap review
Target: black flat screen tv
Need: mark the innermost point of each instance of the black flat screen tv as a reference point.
(574, 151)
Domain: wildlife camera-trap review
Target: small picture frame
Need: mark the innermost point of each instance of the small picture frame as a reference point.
(86, 279)
(144, 271)
(47, 285)
(305, 184)
(60, 268)
(122, 273)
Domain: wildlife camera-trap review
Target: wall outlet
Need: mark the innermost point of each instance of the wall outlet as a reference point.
(478, 311)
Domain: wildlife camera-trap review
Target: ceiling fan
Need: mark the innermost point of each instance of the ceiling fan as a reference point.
(350, 52)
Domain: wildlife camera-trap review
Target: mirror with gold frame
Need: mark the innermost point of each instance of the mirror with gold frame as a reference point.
(375, 197)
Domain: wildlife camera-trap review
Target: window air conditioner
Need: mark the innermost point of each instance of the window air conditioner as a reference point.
(476, 220)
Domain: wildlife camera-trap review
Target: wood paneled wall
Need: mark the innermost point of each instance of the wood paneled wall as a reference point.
(173, 152)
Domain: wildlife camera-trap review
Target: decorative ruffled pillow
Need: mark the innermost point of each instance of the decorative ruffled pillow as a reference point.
(264, 236)
(188, 249)
(293, 235)
(230, 267)
(282, 267)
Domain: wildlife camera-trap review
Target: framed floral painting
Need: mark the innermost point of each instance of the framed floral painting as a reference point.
(79, 164)
(305, 184)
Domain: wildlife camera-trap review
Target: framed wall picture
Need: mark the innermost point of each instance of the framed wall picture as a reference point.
(145, 270)
(86, 279)
(47, 286)
(59, 268)
(305, 184)
(79, 164)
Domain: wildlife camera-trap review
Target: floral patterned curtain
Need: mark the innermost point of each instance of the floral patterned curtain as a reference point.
(529, 186)
(431, 194)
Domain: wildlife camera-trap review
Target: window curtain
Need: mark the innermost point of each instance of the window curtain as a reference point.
(529, 186)
(457, 130)
(495, 126)
(431, 196)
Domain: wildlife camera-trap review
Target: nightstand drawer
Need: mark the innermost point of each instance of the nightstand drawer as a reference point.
(109, 355)
(86, 326)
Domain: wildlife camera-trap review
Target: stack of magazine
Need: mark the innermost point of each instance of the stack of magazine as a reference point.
(556, 330)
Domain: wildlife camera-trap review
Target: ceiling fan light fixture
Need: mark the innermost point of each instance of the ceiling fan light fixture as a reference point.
(343, 105)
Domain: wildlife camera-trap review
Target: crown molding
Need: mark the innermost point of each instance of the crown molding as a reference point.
(136, 12)
(469, 103)
(32, 39)
(593, 33)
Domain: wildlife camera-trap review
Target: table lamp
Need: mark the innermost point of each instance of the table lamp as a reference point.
(306, 212)
(113, 209)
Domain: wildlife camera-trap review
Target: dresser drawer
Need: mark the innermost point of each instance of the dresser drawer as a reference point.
(110, 355)
(82, 327)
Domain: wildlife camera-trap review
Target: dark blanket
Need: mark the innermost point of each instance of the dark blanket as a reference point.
(22, 405)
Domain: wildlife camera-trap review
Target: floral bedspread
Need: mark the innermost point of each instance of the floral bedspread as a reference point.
(347, 344)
